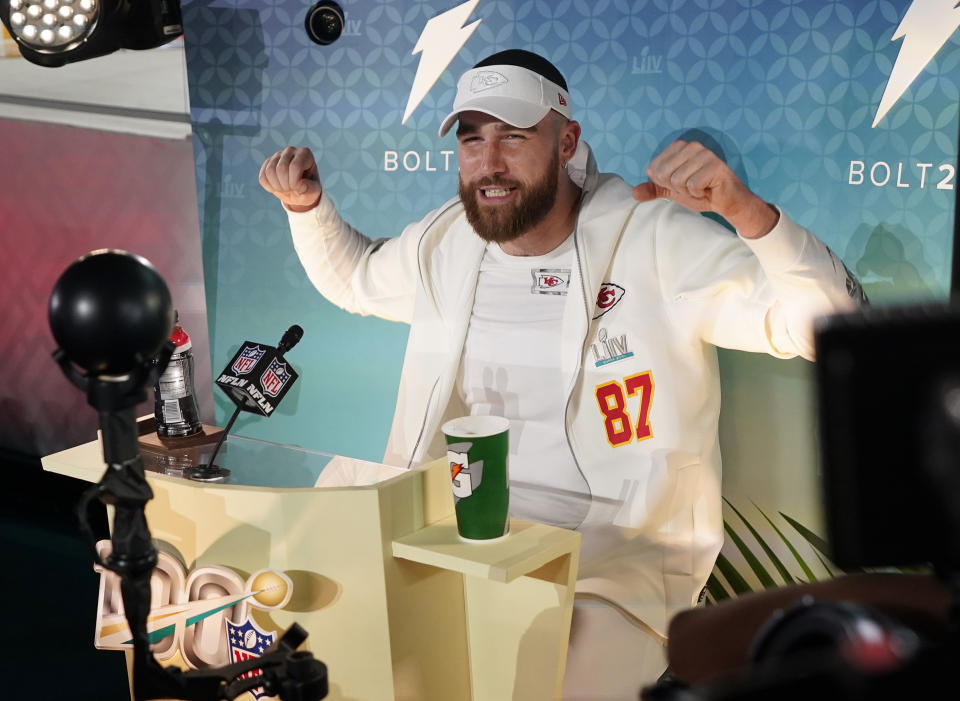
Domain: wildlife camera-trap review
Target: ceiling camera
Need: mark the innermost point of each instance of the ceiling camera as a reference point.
(324, 22)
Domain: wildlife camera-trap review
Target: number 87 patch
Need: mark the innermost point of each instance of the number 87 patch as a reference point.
(612, 400)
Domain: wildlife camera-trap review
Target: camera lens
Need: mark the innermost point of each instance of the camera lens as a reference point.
(324, 22)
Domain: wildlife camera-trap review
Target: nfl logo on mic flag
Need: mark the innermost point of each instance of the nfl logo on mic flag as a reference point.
(257, 378)
(246, 359)
(276, 378)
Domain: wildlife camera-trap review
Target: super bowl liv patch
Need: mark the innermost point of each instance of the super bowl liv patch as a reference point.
(609, 349)
(550, 281)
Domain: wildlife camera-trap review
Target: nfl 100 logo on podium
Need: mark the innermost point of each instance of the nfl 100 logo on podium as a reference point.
(204, 616)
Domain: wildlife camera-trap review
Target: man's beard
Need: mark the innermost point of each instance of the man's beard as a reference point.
(506, 222)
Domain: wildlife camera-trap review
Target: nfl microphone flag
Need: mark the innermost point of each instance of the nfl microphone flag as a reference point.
(258, 376)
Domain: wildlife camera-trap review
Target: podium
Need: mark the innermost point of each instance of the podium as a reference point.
(395, 604)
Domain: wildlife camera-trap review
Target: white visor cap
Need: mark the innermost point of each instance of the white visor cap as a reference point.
(516, 96)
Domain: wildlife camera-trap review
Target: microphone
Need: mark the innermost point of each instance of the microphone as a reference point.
(256, 379)
(290, 339)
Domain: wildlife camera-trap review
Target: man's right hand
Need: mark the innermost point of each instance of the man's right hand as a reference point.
(291, 176)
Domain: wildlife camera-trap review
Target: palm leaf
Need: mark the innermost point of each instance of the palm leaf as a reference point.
(781, 568)
(828, 566)
(758, 569)
(716, 589)
(734, 579)
(793, 551)
(808, 535)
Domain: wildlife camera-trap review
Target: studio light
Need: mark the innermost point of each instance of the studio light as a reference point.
(54, 32)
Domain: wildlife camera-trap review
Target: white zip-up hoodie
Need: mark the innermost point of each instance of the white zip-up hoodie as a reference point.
(664, 283)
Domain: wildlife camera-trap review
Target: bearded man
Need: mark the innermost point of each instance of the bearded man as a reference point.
(587, 312)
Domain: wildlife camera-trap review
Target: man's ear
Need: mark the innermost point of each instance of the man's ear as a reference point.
(569, 139)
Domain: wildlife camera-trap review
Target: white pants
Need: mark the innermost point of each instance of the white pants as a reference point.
(610, 657)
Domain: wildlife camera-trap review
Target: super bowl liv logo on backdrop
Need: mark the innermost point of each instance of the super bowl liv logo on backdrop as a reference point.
(647, 63)
(203, 615)
(924, 30)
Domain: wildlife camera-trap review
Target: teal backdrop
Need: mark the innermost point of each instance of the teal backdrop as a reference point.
(787, 90)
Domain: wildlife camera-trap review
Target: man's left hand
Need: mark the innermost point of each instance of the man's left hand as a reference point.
(692, 175)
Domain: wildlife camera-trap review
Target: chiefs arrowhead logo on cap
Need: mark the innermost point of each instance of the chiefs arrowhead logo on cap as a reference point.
(486, 80)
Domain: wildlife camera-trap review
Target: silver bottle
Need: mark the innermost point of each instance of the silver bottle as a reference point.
(175, 403)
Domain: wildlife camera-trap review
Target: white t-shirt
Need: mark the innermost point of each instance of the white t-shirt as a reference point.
(511, 368)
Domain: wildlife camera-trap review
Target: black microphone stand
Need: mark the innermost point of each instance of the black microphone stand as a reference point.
(210, 471)
(291, 675)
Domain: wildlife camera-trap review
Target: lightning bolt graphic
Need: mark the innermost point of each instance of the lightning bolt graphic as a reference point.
(929, 23)
(442, 37)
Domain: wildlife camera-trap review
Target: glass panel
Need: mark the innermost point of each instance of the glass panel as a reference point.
(252, 463)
